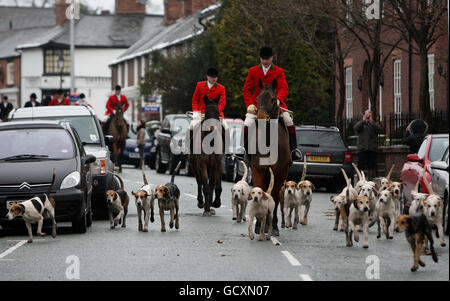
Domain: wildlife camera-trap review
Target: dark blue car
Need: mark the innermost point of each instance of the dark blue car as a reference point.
(131, 153)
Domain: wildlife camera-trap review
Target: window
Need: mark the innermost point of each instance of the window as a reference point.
(423, 149)
(431, 79)
(398, 87)
(10, 73)
(349, 92)
(51, 58)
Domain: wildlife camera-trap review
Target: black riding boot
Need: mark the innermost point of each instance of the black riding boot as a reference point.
(296, 154)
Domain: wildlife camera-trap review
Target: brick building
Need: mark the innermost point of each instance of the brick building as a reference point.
(399, 90)
(182, 21)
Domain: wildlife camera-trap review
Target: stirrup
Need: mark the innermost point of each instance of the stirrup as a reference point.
(296, 155)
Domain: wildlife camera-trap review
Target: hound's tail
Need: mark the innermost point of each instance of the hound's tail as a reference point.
(53, 182)
(172, 180)
(358, 172)
(427, 185)
(304, 170)
(390, 172)
(269, 190)
(416, 188)
(347, 180)
(244, 177)
(143, 175)
(122, 186)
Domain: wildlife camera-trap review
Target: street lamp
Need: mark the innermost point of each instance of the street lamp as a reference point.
(61, 68)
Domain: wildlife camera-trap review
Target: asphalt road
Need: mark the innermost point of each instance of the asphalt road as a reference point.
(211, 248)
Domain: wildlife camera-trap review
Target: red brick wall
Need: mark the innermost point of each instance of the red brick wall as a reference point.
(60, 11)
(3, 76)
(130, 72)
(114, 77)
(176, 9)
(129, 7)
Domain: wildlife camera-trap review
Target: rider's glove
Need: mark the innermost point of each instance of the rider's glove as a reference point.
(196, 115)
(251, 109)
(278, 101)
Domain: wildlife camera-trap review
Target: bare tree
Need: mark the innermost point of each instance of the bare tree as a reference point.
(422, 22)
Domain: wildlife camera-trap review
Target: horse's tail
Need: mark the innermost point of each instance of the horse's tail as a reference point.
(269, 190)
(244, 177)
(122, 186)
(172, 180)
(304, 170)
(143, 175)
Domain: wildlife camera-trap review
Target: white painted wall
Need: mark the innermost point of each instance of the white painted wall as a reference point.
(94, 62)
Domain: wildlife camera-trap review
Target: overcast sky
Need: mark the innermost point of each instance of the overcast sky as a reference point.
(153, 6)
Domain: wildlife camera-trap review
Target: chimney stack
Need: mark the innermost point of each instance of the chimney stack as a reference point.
(130, 7)
(60, 11)
(176, 9)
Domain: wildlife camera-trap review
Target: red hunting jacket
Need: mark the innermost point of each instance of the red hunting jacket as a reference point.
(252, 89)
(215, 92)
(64, 102)
(113, 101)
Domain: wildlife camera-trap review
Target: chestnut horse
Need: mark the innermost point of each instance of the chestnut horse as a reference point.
(207, 168)
(118, 129)
(268, 109)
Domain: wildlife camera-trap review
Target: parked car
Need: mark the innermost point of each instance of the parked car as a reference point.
(172, 136)
(432, 149)
(131, 153)
(85, 121)
(27, 160)
(229, 161)
(326, 154)
(439, 183)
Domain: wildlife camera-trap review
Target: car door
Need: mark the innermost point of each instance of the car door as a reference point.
(439, 178)
(164, 139)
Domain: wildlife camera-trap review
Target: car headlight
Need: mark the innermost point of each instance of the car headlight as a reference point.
(71, 180)
(136, 150)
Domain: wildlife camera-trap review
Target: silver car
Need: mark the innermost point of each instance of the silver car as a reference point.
(439, 183)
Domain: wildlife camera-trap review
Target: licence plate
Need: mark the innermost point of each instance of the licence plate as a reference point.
(10, 203)
(321, 159)
(134, 155)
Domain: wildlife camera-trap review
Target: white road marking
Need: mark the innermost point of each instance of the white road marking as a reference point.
(190, 195)
(305, 277)
(291, 258)
(275, 241)
(12, 249)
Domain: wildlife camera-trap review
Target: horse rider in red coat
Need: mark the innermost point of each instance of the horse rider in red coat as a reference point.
(113, 101)
(267, 72)
(59, 100)
(213, 90)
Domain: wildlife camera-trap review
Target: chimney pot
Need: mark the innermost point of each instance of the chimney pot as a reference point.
(60, 11)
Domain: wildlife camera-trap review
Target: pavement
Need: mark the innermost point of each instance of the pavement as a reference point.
(211, 248)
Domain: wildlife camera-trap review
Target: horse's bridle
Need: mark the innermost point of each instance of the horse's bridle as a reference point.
(272, 112)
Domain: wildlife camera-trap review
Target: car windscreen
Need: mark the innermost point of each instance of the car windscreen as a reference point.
(85, 126)
(235, 134)
(314, 138)
(438, 147)
(39, 144)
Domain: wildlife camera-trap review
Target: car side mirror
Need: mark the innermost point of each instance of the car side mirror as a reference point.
(109, 139)
(414, 158)
(88, 159)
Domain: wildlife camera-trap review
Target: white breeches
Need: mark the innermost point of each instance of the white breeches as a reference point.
(286, 118)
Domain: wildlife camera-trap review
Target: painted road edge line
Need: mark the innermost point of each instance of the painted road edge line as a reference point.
(305, 277)
(291, 258)
(190, 195)
(13, 248)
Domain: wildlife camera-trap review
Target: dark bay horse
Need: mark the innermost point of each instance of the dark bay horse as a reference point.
(118, 129)
(208, 167)
(268, 109)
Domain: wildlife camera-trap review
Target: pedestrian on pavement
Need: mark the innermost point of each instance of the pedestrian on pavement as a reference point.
(267, 72)
(32, 102)
(5, 108)
(60, 100)
(367, 130)
(46, 101)
(414, 135)
(140, 141)
(82, 101)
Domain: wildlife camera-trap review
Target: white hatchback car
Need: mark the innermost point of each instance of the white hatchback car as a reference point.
(439, 183)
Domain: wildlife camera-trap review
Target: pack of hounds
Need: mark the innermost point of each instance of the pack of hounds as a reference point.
(368, 203)
(363, 205)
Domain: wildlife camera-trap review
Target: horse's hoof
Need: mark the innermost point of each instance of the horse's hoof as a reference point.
(200, 205)
(206, 213)
(216, 204)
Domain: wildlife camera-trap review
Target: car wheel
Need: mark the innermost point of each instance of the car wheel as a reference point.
(79, 225)
(159, 166)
